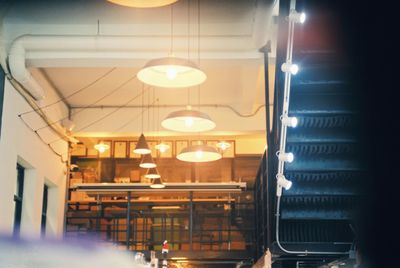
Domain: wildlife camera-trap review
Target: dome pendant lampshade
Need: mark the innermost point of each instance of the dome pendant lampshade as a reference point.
(143, 3)
(102, 147)
(199, 153)
(171, 72)
(152, 173)
(142, 147)
(157, 184)
(188, 121)
(147, 161)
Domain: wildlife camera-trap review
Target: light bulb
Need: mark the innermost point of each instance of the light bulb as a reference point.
(199, 154)
(102, 149)
(290, 67)
(171, 73)
(163, 149)
(189, 121)
(283, 182)
(289, 121)
(287, 157)
(297, 17)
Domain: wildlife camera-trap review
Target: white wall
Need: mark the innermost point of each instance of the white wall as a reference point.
(19, 144)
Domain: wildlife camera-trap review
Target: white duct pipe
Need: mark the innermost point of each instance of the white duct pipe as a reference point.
(94, 47)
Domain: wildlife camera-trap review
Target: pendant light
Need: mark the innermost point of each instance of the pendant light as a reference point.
(142, 147)
(199, 153)
(102, 147)
(143, 3)
(152, 173)
(188, 121)
(223, 145)
(157, 184)
(162, 147)
(171, 72)
(147, 161)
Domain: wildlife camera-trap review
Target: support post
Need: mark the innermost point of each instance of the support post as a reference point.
(191, 220)
(128, 220)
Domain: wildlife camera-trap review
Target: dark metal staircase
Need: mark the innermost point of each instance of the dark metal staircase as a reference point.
(316, 214)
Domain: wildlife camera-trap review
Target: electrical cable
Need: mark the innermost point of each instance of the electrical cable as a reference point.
(90, 105)
(70, 95)
(106, 115)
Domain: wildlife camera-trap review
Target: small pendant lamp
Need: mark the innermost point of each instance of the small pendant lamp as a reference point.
(199, 153)
(162, 147)
(147, 161)
(102, 147)
(152, 173)
(223, 145)
(142, 147)
(143, 3)
(157, 184)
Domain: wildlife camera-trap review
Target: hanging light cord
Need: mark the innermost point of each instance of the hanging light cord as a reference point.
(106, 115)
(70, 95)
(90, 105)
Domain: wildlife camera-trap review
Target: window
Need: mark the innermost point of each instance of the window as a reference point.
(18, 199)
(44, 210)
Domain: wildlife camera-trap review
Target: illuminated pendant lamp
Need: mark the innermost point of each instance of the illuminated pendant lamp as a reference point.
(142, 147)
(157, 184)
(171, 72)
(223, 145)
(188, 121)
(162, 147)
(102, 147)
(143, 3)
(199, 153)
(147, 161)
(152, 173)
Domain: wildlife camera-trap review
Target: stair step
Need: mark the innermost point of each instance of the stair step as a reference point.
(328, 163)
(325, 149)
(326, 120)
(320, 135)
(321, 103)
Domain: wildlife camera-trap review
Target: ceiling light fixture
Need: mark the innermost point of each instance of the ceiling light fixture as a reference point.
(102, 147)
(157, 184)
(188, 121)
(162, 147)
(289, 121)
(171, 72)
(152, 173)
(286, 157)
(143, 3)
(282, 182)
(199, 153)
(223, 145)
(289, 67)
(297, 17)
(147, 161)
(142, 147)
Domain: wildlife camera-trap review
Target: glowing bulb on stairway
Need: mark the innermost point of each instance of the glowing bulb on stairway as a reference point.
(171, 73)
(289, 121)
(283, 182)
(297, 17)
(286, 157)
(289, 67)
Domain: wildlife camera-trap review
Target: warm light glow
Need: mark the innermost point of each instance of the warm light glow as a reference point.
(287, 157)
(152, 173)
(102, 147)
(188, 121)
(157, 184)
(143, 3)
(166, 207)
(199, 153)
(223, 145)
(162, 147)
(147, 161)
(178, 258)
(290, 67)
(290, 121)
(171, 72)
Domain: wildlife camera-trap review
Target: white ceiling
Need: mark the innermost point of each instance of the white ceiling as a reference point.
(232, 31)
